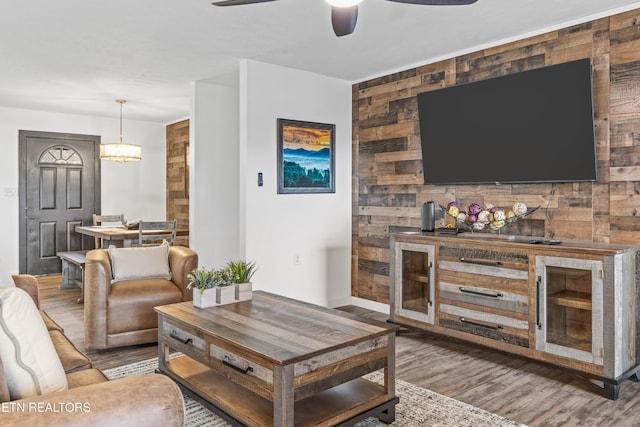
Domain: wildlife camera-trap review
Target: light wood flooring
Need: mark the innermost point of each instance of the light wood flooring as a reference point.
(529, 392)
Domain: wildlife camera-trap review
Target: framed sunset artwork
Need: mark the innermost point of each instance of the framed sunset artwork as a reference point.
(305, 157)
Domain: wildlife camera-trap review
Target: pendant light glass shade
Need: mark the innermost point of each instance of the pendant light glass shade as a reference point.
(119, 151)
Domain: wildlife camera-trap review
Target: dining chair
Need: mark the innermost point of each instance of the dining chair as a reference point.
(154, 232)
(116, 220)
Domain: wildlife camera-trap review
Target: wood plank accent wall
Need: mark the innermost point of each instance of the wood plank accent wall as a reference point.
(387, 167)
(178, 176)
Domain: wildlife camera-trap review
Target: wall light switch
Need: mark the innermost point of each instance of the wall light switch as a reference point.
(10, 191)
(260, 182)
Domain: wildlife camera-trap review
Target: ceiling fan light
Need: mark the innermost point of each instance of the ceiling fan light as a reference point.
(344, 3)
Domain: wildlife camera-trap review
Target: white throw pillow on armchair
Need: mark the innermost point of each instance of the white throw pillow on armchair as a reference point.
(140, 263)
(31, 365)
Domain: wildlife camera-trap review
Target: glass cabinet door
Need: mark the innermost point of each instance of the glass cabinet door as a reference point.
(569, 308)
(414, 281)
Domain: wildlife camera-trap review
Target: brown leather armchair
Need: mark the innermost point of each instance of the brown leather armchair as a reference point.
(122, 314)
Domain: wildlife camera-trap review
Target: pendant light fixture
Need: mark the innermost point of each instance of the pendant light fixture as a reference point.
(119, 151)
(344, 3)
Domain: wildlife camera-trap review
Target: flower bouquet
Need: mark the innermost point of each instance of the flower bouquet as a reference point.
(476, 217)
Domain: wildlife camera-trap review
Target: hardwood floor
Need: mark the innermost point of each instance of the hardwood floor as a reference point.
(529, 392)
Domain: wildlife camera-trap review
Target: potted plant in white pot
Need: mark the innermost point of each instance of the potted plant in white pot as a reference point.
(211, 287)
(242, 272)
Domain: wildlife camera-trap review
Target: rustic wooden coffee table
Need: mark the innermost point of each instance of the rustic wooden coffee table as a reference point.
(274, 361)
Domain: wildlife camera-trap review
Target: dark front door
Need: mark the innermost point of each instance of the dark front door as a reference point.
(59, 190)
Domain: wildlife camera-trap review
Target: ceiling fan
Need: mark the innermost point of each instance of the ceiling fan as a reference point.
(344, 13)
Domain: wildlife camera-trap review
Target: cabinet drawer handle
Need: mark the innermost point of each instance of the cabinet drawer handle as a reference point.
(469, 322)
(227, 362)
(175, 336)
(481, 262)
(468, 291)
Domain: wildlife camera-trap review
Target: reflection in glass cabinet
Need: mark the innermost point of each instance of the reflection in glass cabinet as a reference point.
(414, 282)
(569, 308)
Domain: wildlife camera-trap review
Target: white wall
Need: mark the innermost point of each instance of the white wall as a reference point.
(279, 227)
(135, 189)
(214, 193)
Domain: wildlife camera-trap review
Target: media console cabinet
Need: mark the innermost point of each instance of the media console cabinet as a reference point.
(574, 304)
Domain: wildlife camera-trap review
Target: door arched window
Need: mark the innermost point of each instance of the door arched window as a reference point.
(60, 155)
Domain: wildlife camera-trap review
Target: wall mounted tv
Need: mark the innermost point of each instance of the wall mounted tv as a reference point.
(532, 126)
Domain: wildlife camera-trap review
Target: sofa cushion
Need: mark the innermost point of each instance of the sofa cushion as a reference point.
(5, 276)
(85, 377)
(50, 323)
(71, 358)
(31, 364)
(131, 305)
(140, 263)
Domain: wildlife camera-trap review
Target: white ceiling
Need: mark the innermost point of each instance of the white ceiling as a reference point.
(79, 56)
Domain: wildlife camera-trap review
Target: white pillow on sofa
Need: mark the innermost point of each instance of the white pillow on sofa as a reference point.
(31, 364)
(5, 275)
(149, 262)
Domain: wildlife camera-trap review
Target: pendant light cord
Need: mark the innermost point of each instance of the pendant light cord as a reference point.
(121, 123)
(121, 101)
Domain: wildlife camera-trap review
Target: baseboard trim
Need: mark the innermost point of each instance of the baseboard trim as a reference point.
(370, 305)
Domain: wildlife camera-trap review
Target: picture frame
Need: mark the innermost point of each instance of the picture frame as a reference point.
(306, 157)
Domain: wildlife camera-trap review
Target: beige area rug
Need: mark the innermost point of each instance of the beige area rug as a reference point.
(418, 407)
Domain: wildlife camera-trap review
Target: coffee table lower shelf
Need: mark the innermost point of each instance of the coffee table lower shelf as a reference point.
(342, 405)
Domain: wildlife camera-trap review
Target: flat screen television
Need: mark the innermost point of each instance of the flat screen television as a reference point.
(532, 126)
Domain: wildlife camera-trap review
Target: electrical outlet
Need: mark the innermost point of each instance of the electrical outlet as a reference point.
(296, 259)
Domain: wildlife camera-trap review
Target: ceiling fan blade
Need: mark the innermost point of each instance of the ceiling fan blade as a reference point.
(238, 2)
(343, 19)
(436, 2)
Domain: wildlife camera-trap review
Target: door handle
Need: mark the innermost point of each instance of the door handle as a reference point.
(538, 320)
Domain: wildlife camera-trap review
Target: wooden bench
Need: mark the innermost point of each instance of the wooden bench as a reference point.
(73, 271)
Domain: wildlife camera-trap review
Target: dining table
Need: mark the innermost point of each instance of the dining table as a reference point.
(117, 235)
